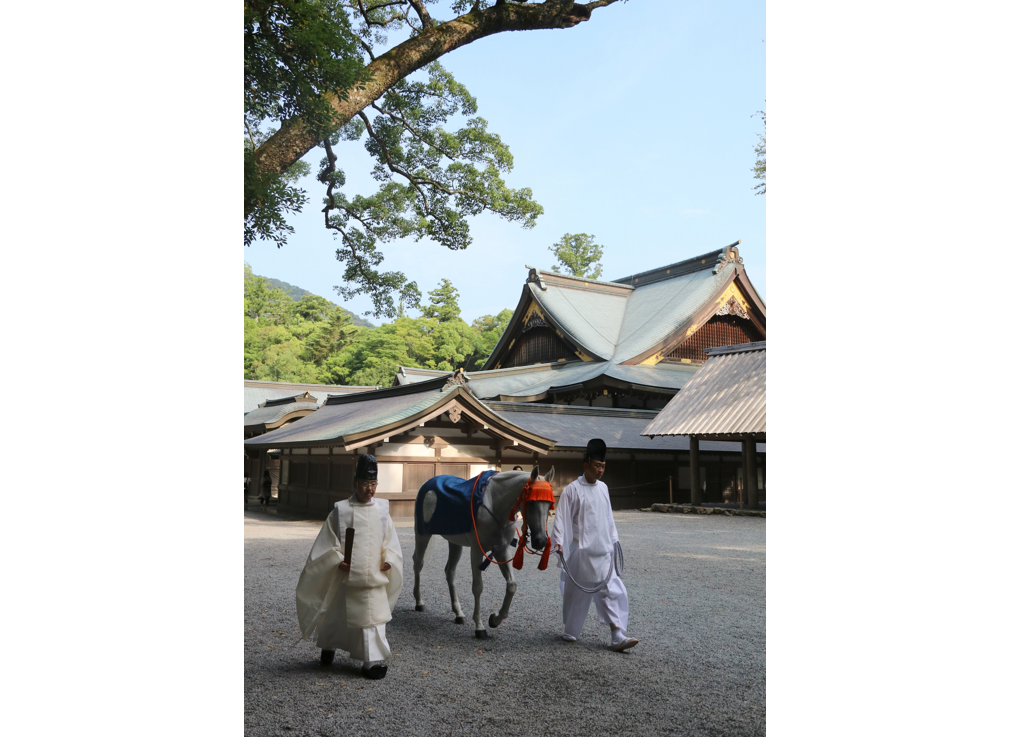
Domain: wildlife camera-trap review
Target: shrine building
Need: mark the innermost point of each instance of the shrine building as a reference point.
(579, 359)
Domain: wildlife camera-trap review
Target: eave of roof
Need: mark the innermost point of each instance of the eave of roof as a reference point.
(622, 429)
(255, 392)
(275, 414)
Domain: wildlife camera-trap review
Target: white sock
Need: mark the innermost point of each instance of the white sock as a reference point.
(618, 636)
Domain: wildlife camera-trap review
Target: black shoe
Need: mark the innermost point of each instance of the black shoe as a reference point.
(327, 657)
(375, 672)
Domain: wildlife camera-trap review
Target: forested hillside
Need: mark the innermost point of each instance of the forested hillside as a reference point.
(314, 341)
(298, 293)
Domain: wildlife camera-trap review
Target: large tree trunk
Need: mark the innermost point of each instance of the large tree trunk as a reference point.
(292, 141)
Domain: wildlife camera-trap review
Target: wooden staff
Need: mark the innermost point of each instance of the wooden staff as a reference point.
(350, 534)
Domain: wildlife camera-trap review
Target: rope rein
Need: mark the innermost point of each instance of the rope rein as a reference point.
(606, 581)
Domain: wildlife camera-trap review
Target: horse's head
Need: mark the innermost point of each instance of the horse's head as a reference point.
(537, 506)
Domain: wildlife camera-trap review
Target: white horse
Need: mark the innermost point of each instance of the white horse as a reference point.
(496, 528)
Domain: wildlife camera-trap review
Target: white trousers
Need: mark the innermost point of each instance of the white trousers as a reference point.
(368, 644)
(611, 605)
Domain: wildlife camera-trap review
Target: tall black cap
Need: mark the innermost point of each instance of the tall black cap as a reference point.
(595, 450)
(366, 467)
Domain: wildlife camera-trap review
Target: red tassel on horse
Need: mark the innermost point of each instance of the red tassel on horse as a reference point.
(519, 556)
(545, 559)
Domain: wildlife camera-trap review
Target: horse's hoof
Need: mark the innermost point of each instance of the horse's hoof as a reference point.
(459, 620)
(482, 634)
(420, 607)
(493, 623)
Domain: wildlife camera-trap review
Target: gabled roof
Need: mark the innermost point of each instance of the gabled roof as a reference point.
(356, 420)
(636, 318)
(533, 383)
(255, 393)
(725, 398)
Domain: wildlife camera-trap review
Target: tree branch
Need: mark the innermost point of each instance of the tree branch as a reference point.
(293, 139)
(421, 11)
(418, 136)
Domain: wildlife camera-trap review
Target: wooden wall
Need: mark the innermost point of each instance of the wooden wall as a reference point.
(315, 483)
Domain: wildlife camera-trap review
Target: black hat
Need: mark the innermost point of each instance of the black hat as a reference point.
(595, 450)
(366, 467)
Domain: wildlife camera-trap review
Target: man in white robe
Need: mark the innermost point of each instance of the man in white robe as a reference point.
(348, 603)
(584, 531)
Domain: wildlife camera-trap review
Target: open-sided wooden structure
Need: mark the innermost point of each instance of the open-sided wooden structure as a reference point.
(726, 400)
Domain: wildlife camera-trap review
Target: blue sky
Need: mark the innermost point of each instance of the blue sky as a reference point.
(635, 127)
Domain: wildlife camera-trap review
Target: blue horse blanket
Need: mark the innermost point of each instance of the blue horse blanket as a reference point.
(451, 516)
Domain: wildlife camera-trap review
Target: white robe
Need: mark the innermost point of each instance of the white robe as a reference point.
(348, 610)
(584, 528)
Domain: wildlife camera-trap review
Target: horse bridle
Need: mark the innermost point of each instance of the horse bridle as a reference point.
(539, 490)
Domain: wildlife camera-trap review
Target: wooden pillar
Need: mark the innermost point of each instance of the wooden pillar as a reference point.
(695, 474)
(750, 446)
(743, 474)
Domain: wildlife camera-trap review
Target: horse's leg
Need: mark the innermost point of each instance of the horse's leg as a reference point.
(417, 565)
(477, 591)
(509, 594)
(454, 555)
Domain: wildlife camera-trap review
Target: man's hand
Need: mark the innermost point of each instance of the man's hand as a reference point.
(343, 566)
(385, 566)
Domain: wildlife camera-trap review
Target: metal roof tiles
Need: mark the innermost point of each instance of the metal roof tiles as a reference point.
(656, 310)
(531, 381)
(338, 420)
(725, 397)
(592, 318)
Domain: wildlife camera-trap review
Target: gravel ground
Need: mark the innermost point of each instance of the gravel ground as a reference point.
(697, 593)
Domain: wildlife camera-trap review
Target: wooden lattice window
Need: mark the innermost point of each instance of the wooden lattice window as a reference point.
(719, 331)
(298, 473)
(318, 474)
(538, 345)
(341, 476)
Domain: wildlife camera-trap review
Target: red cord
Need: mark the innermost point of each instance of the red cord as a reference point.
(522, 546)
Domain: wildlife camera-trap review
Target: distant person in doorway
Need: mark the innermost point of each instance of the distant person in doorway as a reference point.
(246, 489)
(265, 495)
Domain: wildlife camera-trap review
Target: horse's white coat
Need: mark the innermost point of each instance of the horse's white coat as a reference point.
(429, 505)
(495, 528)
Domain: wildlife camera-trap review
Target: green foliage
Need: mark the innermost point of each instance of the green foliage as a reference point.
(443, 305)
(760, 160)
(286, 339)
(431, 181)
(376, 354)
(311, 340)
(490, 328)
(297, 294)
(294, 52)
(578, 255)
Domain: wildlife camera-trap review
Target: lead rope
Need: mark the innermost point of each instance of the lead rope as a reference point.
(605, 582)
